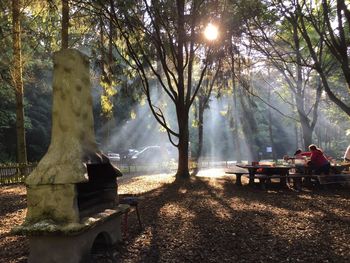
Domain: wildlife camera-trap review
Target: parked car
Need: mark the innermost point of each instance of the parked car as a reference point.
(151, 155)
(113, 157)
(126, 155)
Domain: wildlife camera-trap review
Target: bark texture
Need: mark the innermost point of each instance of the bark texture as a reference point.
(18, 83)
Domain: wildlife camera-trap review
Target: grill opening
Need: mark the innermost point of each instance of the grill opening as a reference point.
(101, 243)
(100, 191)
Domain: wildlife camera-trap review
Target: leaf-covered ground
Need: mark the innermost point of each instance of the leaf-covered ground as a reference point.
(209, 219)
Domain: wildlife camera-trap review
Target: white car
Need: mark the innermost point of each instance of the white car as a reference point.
(151, 154)
(113, 157)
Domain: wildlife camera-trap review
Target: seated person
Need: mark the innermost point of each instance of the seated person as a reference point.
(299, 154)
(300, 160)
(318, 161)
(347, 154)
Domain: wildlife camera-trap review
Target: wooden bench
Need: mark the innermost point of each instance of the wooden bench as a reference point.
(297, 179)
(321, 179)
(238, 175)
(265, 179)
(333, 179)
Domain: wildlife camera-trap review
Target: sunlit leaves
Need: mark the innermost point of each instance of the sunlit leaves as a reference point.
(106, 98)
(133, 115)
(195, 123)
(106, 106)
(224, 113)
(143, 101)
(161, 129)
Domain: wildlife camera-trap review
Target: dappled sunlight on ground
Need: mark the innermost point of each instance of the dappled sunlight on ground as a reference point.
(10, 189)
(130, 183)
(138, 184)
(13, 207)
(211, 172)
(176, 211)
(210, 219)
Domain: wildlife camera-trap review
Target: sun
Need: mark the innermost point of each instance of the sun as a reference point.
(211, 32)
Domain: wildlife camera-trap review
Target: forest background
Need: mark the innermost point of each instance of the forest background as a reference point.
(273, 80)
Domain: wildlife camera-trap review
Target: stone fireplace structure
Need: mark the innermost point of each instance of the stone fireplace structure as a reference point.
(72, 194)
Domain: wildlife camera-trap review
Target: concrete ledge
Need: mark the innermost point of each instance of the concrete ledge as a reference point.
(49, 228)
(77, 248)
(73, 243)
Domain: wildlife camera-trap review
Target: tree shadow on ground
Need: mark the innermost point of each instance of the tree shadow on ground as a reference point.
(11, 202)
(213, 220)
(195, 221)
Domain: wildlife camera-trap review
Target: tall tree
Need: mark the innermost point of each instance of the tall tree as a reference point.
(153, 31)
(234, 66)
(330, 21)
(271, 135)
(279, 40)
(203, 102)
(107, 81)
(18, 81)
(65, 24)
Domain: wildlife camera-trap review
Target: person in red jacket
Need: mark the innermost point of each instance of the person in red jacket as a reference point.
(299, 154)
(318, 161)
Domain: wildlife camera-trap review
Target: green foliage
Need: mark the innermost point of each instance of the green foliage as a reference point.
(106, 99)
(7, 124)
(118, 97)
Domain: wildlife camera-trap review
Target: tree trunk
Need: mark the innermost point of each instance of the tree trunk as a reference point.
(182, 169)
(181, 108)
(18, 83)
(319, 137)
(300, 95)
(307, 132)
(270, 128)
(296, 132)
(236, 127)
(200, 128)
(111, 120)
(235, 118)
(306, 127)
(103, 81)
(249, 128)
(65, 24)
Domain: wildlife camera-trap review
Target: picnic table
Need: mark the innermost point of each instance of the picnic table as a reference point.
(337, 175)
(292, 173)
(267, 172)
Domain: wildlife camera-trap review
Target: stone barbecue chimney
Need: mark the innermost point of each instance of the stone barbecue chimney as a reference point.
(72, 193)
(51, 186)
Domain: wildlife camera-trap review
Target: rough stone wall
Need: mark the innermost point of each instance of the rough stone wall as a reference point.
(51, 186)
(72, 139)
(52, 203)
